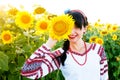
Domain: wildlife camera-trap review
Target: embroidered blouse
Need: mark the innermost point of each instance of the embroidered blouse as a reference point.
(43, 62)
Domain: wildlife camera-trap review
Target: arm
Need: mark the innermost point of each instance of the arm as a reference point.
(41, 62)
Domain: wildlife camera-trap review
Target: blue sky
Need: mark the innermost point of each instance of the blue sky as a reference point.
(106, 10)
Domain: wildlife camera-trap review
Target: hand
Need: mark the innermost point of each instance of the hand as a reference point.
(51, 42)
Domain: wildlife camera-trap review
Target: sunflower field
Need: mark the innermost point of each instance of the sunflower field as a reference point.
(22, 32)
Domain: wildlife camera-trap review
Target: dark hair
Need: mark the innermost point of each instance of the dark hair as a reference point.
(79, 17)
(80, 20)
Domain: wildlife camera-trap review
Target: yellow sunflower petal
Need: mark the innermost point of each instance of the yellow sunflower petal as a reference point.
(42, 26)
(13, 11)
(24, 20)
(114, 28)
(39, 10)
(108, 26)
(99, 41)
(104, 32)
(61, 26)
(114, 37)
(93, 39)
(6, 37)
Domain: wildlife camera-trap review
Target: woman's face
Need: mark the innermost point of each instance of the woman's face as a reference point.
(76, 34)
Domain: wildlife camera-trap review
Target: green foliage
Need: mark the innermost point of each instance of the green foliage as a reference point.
(3, 62)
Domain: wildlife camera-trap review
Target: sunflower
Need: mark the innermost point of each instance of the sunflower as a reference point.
(39, 10)
(6, 37)
(61, 26)
(42, 26)
(114, 37)
(89, 27)
(96, 24)
(114, 28)
(108, 26)
(24, 20)
(13, 11)
(93, 39)
(99, 41)
(104, 32)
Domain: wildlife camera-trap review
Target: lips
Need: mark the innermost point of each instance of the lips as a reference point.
(72, 36)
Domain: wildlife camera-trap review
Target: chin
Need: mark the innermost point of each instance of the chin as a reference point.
(73, 40)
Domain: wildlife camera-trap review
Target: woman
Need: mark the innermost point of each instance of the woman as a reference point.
(78, 60)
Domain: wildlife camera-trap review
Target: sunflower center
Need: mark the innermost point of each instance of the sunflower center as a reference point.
(6, 37)
(114, 37)
(93, 39)
(108, 27)
(43, 25)
(104, 32)
(25, 19)
(100, 41)
(114, 28)
(60, 28)
(39, 10)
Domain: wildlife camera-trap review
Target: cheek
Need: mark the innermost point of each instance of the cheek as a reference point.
(80, 34)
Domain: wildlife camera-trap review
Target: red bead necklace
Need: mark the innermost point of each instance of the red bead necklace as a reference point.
(85, 56)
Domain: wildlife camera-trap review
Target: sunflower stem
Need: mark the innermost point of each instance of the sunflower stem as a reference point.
(44, 38)
(28, 37)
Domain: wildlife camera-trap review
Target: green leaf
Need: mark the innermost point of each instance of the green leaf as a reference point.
(3, 62)
(13, 77)
(21, 60)
(12, 67)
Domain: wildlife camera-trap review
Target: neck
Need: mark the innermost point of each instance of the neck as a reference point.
(77, 46)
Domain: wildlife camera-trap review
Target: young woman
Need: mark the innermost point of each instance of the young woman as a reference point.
(78, 60)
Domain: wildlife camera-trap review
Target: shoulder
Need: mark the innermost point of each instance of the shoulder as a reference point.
(99, 49)
(94, 46)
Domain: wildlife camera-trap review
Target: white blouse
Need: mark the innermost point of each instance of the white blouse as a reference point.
(43, 62)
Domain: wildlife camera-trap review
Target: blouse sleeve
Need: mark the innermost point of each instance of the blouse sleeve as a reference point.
(103, 65)
(41, 62)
